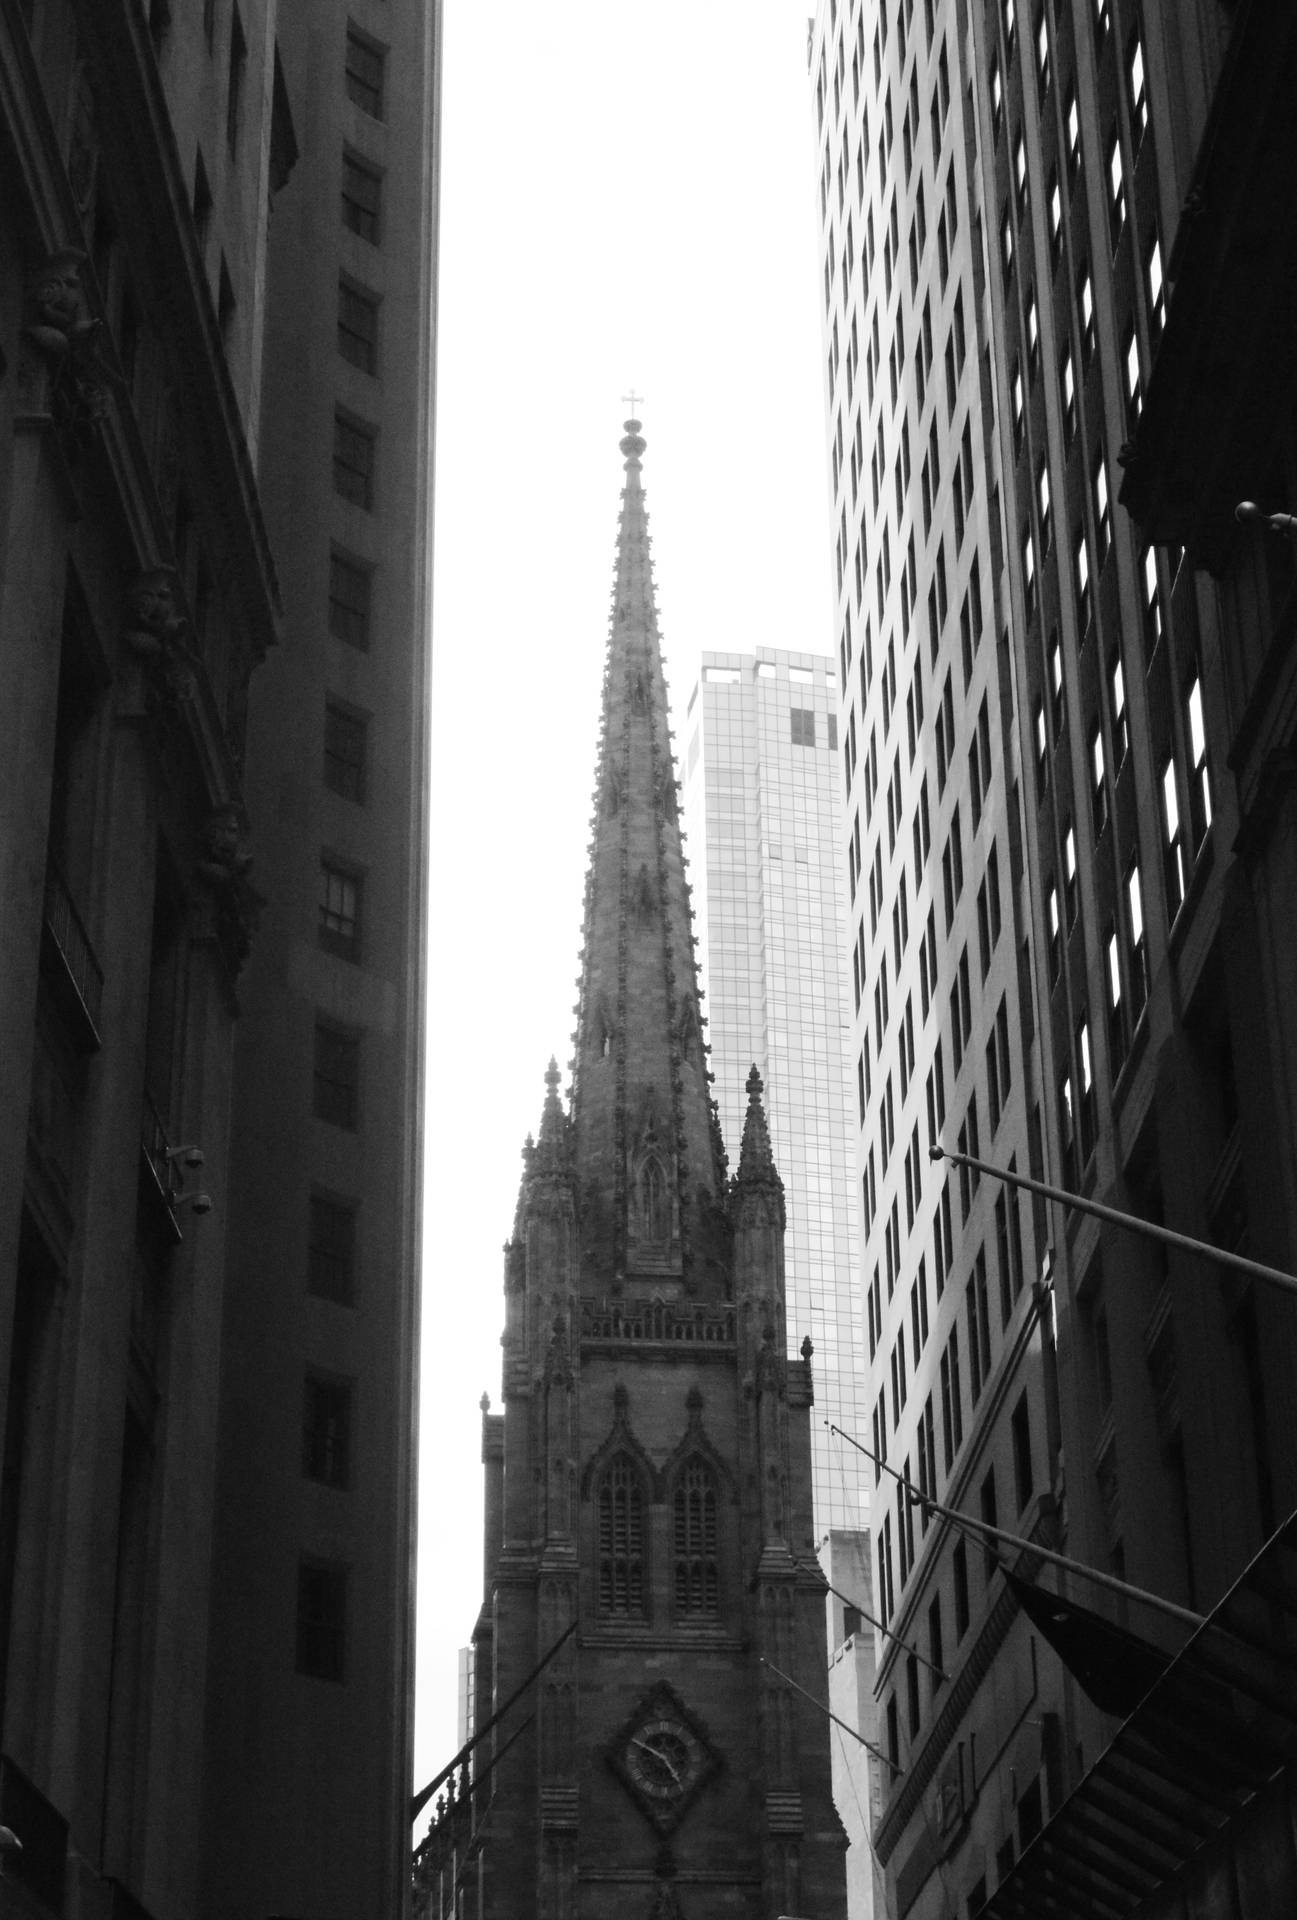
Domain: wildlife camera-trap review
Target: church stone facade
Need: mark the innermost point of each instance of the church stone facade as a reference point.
(648, 1504)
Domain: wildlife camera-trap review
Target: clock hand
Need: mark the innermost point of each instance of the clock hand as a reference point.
(658, 1755)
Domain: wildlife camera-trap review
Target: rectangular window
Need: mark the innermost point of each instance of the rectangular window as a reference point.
(959, 1568)
(354, 450)
(1022, 1452)
(365, 59)
(350, 585)
(979, 1327)
(234, 87)
(341, 893)
(345, 751)
(362, 198)
(331, 1249)
(991, 1516)
(321, 1619)
(358, 326)
(952, 1412)
(336, 1075)
(326, 1430)
(803, 726)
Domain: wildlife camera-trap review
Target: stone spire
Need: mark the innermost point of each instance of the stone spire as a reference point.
(646, 1147)
(756, 1161)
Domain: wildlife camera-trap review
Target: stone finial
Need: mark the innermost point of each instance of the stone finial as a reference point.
(756, 1162)
(633, 445)
(551, 1148)
(485, 1403)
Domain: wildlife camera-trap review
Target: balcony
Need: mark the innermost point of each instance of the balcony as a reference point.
(74, 976)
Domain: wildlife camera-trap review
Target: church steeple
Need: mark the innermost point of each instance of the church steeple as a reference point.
(646, 1146)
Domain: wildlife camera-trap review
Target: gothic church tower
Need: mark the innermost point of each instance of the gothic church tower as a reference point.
(648, 1482)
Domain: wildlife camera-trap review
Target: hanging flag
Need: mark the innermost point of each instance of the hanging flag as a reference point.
(1115, 1667)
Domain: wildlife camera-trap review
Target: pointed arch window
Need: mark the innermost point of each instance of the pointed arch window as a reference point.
(697, 1585)
(620, 1508)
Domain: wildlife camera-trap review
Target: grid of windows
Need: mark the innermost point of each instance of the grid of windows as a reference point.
(326, 1430)
(355, 447)
(336, 1074)
(331, 1249)
(322, 1619)
(346, 741)
(350, 598)
(338, 925)
(358, 326)
(362, 198)
(365, 60)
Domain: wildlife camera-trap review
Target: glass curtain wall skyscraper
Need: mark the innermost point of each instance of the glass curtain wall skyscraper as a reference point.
(761, 800)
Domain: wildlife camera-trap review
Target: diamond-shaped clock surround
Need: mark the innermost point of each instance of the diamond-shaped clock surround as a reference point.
(661, 1738)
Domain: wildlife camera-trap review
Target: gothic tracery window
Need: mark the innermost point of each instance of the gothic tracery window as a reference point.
(696, 1581)
(620, 1508)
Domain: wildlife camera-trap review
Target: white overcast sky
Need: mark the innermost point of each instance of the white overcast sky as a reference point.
(628, 200)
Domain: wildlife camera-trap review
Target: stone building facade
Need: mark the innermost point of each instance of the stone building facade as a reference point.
(649, 1515)
(158, 811)
(1129, 174)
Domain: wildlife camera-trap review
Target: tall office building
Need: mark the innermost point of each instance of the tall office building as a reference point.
(1131, 183)
(960, 1359)
(211, 848)
(1139, 166)
(762, 804)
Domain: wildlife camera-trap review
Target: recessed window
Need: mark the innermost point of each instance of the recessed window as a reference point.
(1022, 1477)
(234, 89)
(326, 1430)
(1138, 89)
(365, 60)
(339, 909)
(803, 726)
(321, 1619)
(1156, 288)
(345, 751)
(1116, 187)
(362, 198)
(358, 326)
(202, 202)
(225, 305)
(336, 1075)
(355, 447)
(619, 1505)
(350, 593)
(1067, 388)
(331, 1249)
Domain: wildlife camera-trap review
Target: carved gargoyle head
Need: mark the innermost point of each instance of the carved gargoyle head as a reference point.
(57, 300)
(154, 620)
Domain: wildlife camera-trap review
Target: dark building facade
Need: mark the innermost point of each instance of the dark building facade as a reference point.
(649, 1507)
(171, 740)
(1139, 166)
(1134, 278)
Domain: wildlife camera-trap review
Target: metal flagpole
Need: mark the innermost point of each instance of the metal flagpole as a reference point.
(844, 1724)
(984, 1527)
(1152, 1228)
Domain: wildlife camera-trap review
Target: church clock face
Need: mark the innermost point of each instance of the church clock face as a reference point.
(663, 1757)
(664, 1760)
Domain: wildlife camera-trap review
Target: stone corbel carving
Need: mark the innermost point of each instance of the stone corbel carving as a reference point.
(157, 631)
(68, 339)
(224, 865)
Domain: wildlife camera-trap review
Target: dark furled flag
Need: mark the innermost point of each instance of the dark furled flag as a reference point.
(1115, 1667)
